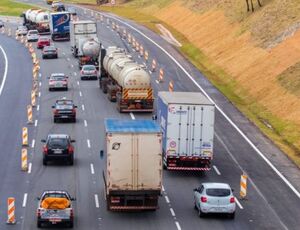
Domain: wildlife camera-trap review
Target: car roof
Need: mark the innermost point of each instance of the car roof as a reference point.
(58, 135)
(216, 185)
(57, 74)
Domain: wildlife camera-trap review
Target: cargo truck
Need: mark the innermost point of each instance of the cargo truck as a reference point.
(81, 30)
(133, 176)
(88, 52)
(125, 81)
(60, 26)
(187, 123)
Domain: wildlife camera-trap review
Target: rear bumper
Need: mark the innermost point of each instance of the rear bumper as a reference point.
(218, 209)
(64, 116)
(87, 77)
(57, 157)
(61, 222)
(188, 164)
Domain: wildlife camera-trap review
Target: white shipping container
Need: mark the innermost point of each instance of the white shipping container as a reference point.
(134, 155)
(187, 121)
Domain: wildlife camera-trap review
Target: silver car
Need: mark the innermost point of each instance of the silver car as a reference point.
(32, 36)
(58, 81)
(88, 72)
(214, 198)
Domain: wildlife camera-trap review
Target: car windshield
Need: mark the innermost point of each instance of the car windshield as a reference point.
(219, 192)
(56, 195)
(90, 67)
(58, 142)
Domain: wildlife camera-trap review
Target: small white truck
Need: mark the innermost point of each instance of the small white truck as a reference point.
(187, 123)
(133, 177)
(55, 208)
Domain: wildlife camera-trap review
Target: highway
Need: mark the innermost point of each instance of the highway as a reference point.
(270, 204)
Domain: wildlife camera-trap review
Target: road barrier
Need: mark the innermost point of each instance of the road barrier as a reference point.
(141, 50)
(117, 28)
(153, 66)
(133, 43)
(29, 114)
(243, 185)
(33, 99)
(24, 136)
(137, 46)
(11, 219)
(129, 38)
(9, 32)
(161, 75)
(35, 85)
(146, 55)
(124, 33)
(24, 160)
(171, 86)
(113, 25)
(101, 17)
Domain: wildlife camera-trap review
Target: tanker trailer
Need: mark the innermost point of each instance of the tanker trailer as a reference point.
(88, 52)
(42, 22)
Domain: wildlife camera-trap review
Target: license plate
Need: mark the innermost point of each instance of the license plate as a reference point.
(137, 100)
(57, 151)
(64, 116)
(54, 221)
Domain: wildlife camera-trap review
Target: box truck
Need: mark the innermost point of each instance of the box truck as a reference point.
(133, 177)
(60, 26)
(187, 123)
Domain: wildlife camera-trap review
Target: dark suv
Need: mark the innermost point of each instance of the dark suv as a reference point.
(58, 147)
(64, 110)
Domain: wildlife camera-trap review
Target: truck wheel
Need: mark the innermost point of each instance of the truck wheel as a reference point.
(39, 224)
(70, 225)
(200, 213)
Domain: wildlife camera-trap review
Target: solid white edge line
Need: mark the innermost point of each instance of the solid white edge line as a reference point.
(85, 123)
(29, 168)
(88, 143)
(5, 70)
(92, 169)
(217, 170)
(217, 107)
(238, 203)
(167, 199)
(35, 123)
(24, 200)
(177, 225)
(33, 143)
(96, 201)
(172, 212)
(132, 116)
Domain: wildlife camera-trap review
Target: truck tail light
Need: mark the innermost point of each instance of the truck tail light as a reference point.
(38, 213)
(115, 200)
(71, 213)
(232, 200)
(74, 111)
(45, 149)
(203, 199)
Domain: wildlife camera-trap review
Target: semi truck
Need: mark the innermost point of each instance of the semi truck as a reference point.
(80, 30)
(133, 176)
(125, 81)
(37, 19)
(187, 123)
(60, 26)
(88, 52)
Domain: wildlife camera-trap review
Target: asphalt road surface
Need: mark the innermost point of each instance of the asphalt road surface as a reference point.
(270, 203)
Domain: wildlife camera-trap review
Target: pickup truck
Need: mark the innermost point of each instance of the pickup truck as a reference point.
(55, 208)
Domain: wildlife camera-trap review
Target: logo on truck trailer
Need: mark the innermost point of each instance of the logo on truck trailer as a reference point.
(116, 146)
(62, 20)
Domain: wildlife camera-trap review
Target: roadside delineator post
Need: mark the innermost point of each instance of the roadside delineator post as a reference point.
(124, 33)
(24, 136)
(171, 86)
(92, 13)
(133, 43)
(153, 66)
(24, 160)
(243, 185)
(129, 38)
(9, 32)
(29, 114)
(33, 99)
(113, 25)
(11, 219)
(146, 56)
(141, 51)
(35, 85)
(161, 75)
(137, 46)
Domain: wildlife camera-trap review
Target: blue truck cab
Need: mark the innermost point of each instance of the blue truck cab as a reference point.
(60, 26)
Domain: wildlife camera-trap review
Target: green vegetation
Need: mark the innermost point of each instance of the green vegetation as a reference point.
(290, 79)
(11, 8)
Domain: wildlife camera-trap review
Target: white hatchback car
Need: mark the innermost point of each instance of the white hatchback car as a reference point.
(214, 198)
(32, 35)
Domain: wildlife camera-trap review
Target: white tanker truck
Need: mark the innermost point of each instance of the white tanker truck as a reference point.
(37, 19)
(125, 81)
(88, 52)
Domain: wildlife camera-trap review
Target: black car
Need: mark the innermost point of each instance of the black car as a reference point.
(49, 52)
(64, 110)
(58, 147)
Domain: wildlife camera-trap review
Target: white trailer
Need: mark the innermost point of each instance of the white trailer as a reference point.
(85, 29)
(133, 178)
(187, 122)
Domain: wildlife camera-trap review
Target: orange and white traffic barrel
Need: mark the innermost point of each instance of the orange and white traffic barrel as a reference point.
(153, 66)
(11, 219)
(171, 86)
(25, 136)
(137, 46)
(141, 50)
(9, 32)
(24, 160)
(243, 185)
(33, 99)
(129, 38)
(124, 33)
(146, 55)
(161, 75)
(29, 114)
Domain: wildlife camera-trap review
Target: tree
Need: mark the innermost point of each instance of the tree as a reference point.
(252, 8)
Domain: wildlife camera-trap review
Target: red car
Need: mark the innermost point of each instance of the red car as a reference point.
(43, 41)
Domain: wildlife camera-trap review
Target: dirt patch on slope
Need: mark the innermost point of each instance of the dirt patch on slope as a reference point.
(256, 69)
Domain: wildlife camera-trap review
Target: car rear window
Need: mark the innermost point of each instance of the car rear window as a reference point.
(89, 68)
(56, 195)
(58, 78)
(64, 102)
(219, 192)
(33, 32)
(58, 143)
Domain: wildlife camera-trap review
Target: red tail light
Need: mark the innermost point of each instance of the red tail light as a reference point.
(73, 111)
(45, 149)
(38, 213)
(70, 149)
(232, 200)
(71, 213)
(55, 111)
(203, 199)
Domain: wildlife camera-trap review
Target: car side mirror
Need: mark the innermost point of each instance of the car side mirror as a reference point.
(43, 140)
(73, 141)
(52, 106)
(101, 154)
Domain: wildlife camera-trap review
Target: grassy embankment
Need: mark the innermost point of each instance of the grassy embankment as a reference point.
(283, 133)
(11, 8)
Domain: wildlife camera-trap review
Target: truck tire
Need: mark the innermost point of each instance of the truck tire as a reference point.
(71, 224)
(39, 224)
(200, 213)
